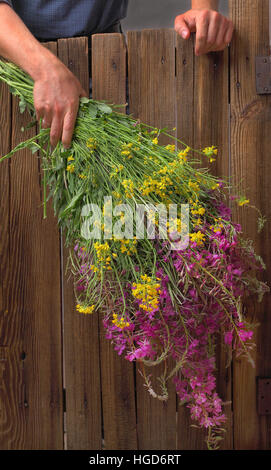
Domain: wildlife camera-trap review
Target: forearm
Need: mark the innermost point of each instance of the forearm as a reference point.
(18, 45)
(210, 4)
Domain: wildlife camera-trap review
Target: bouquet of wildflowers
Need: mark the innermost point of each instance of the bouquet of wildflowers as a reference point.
(152, 247)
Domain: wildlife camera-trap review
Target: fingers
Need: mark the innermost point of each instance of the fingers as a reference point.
(69, 120)
(181, 27)
(218, 36)
(229, 33)
(46, 120)
(223, 37)
(213, 30)
(60, 118)
(56, 128)
(202, 27)
(68, 126)
(56, 103)
(216, 25)
(44, 113)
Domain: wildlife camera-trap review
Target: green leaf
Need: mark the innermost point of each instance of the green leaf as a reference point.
(104, 108)
(33, 147)
(84, 100)
(72, 203)
(59, 165)
(22, 105)
(92, 109)
(71, 184)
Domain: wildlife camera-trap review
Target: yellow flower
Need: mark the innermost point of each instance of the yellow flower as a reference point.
(71, 168)
(70, 159)
(94, 268)
(174, 224)
(127, 246)
(242, 201)
(197, 237)
(117, 169)
(86, 310)
(209, 151)
(148, 292)
(155, 141)
(120, 323)
(182, 155)
(102, 252)
(83, 177)
(91, 143)
(201, 210)
(171, 148)
(116, 194)
(129, 187)
(194, 186)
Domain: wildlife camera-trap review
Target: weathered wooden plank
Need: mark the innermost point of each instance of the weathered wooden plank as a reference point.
(31, 325)
(81, 334)
(151, 73)
(202, 113)
(251, 163)
(6, 400)
(109, 68)
(118, 392)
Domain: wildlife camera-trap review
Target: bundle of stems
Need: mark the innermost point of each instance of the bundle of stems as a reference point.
(167, 291)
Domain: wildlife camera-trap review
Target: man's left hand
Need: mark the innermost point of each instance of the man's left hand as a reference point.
(213, 30)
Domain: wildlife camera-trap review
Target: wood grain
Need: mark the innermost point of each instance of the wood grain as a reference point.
(105, 394)
(251, 163)
(202, 114)
(32, 415)
(81, 334)
(118, 388)
(5, 380)
(109, 68)
(152, 99)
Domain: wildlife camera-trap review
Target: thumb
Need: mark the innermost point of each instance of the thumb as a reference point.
(181, 27)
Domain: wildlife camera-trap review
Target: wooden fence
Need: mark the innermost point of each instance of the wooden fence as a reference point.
(45, 347)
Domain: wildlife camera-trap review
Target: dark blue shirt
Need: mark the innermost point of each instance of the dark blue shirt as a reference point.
(51, 19)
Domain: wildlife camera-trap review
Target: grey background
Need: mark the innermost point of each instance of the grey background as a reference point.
(158, 13)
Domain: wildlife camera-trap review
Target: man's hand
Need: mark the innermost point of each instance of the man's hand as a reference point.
(213, 30)
(56, 100)
(56, 89)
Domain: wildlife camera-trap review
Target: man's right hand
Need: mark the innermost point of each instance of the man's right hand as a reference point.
(56, 89)
(56, 100)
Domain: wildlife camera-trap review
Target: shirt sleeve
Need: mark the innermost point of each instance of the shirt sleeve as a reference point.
(9, 2)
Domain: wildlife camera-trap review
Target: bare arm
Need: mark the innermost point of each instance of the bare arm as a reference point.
(198, 4)
(213, 30)
(56, 89)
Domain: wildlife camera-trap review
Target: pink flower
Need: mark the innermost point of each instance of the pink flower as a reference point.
(245, 335)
